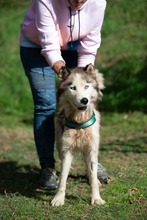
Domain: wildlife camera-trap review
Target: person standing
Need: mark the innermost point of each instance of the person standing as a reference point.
(56, 33)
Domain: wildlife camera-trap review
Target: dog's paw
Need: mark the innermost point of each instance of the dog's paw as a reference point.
(97, 201)
(58, 200)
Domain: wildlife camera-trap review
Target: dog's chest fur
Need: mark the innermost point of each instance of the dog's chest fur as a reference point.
(80, 139)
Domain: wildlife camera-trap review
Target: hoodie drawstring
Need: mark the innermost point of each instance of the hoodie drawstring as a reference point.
(79, 24)
(71, 26)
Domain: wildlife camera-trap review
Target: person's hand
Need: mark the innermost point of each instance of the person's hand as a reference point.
(57, 66)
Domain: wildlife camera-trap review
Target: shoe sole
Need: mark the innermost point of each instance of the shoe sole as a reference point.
(48, 187)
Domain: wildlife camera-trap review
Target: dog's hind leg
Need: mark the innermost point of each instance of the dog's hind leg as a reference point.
(59, 198)
(92, 163)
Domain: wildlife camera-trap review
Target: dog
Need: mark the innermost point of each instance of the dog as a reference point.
(78, 124)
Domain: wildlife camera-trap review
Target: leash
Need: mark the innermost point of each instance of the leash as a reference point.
(82, 125)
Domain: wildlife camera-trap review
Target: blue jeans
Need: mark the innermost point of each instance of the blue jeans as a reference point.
(42, 82)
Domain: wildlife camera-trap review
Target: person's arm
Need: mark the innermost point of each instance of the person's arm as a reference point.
(48, 35)
(89, 45)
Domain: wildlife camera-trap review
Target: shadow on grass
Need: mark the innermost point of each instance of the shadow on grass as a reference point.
(23, 180)
(20, 180)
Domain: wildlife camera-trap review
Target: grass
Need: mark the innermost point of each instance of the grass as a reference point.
(13, 99)
(123, 153)
(123, 32)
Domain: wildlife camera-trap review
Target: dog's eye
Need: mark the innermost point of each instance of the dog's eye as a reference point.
(73, 87)
(87, 86)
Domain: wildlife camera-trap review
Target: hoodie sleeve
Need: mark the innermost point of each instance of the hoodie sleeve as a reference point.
(47, 31)
(89, 45)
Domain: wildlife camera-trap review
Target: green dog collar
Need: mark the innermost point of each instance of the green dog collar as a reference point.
(83, 125)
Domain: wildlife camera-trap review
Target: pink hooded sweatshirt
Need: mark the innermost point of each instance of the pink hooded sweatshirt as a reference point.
(53, 23)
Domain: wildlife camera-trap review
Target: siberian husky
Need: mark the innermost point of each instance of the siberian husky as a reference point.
(78, 125)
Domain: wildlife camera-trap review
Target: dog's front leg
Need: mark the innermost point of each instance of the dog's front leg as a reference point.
(58, 200)
(92, 163)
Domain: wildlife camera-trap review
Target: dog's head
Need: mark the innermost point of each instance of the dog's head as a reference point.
(80, 86)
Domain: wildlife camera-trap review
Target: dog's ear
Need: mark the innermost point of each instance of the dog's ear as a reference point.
(98, 77)
(89, 68)
(64, 73)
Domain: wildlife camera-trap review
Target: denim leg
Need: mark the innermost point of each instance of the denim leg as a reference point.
(42, 82)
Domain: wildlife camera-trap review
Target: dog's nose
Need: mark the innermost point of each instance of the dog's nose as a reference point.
(84, 101)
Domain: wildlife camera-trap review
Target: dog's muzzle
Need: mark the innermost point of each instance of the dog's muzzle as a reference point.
(84, 102)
